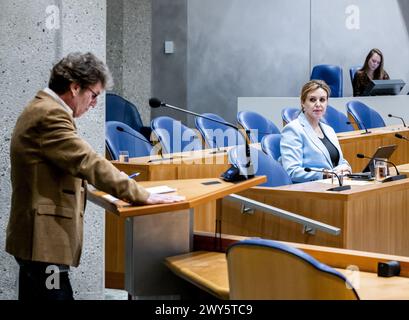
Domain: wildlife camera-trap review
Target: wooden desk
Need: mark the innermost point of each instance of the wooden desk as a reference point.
(208, 271)
(153, 232)
(355, 142)
(199, 164)
(373, 217)
(211, 163)
(207, 164)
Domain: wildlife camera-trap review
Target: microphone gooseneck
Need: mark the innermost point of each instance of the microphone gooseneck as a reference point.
(156, 103)
(325, 171)
(359, 123)
(401, 119)
(130, 133)
(341, 187)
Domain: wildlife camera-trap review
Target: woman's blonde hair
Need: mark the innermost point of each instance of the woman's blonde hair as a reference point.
(312, 86)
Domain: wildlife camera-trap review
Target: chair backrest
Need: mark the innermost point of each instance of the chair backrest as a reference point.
(258, 125)
(120, 109)
(267, 269)
(337, 120)
(364, 116)
(289, 114)
(175, 136)
(121, 137)
(332, 75)
(263, 164)
(270, 144)
(352, 71)
(217, 135)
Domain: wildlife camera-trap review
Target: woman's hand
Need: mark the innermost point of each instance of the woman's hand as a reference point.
(343, 169)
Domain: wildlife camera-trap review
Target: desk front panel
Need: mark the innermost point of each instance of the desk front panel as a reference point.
(373, 218)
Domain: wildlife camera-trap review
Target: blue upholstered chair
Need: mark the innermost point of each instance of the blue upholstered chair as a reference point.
(337, 120)
(217, 135)
(364, 116)
(270, 144)
(120, 109)
(261, 269)
(258, 125)
(332, 75)
(263, 165)
(352, 72)
(175, 136)
(121, 137)
(288, 114)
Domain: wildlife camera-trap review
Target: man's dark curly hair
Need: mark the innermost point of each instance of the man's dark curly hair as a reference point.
(82, 68)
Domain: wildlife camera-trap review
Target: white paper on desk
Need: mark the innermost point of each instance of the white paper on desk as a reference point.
(160, 189)
(115, 201)
(110, 198)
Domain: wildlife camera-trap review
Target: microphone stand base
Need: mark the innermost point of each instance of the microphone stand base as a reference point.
(340, 188)
(395, 178)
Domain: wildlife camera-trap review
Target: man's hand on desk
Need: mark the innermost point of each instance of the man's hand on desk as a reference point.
(155, 198)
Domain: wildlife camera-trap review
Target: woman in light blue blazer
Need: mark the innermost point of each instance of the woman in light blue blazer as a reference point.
(307, 142)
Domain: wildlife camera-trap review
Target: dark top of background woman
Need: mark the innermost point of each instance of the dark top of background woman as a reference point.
(371, 70)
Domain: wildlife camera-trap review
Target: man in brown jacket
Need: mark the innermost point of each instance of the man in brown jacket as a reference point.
(50, 168)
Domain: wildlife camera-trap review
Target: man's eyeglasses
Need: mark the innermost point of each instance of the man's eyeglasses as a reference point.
(94, 95)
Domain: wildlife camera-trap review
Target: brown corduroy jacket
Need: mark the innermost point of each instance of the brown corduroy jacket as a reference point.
(50, 167)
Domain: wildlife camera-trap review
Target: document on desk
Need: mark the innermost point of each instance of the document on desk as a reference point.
(160, 189)
(116, 201)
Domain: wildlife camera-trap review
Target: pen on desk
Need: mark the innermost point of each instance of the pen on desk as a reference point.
(134, 175)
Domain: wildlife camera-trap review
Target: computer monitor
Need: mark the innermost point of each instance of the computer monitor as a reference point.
(384, 87)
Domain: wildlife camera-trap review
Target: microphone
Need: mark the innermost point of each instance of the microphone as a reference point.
(139, 138)
(398, 176)
(401, 119)
(397, 135)
(359, 123)
(341, 187)
(156, 103)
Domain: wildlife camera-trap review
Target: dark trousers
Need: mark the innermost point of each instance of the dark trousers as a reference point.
(43, 281)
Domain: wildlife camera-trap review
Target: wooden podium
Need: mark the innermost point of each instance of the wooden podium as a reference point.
(154, 232)
(200, 164)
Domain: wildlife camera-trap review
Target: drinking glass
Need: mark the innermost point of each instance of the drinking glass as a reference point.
(381, 169)
(123, 156)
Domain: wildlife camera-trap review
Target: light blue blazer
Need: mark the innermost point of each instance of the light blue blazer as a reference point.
(301, 148)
